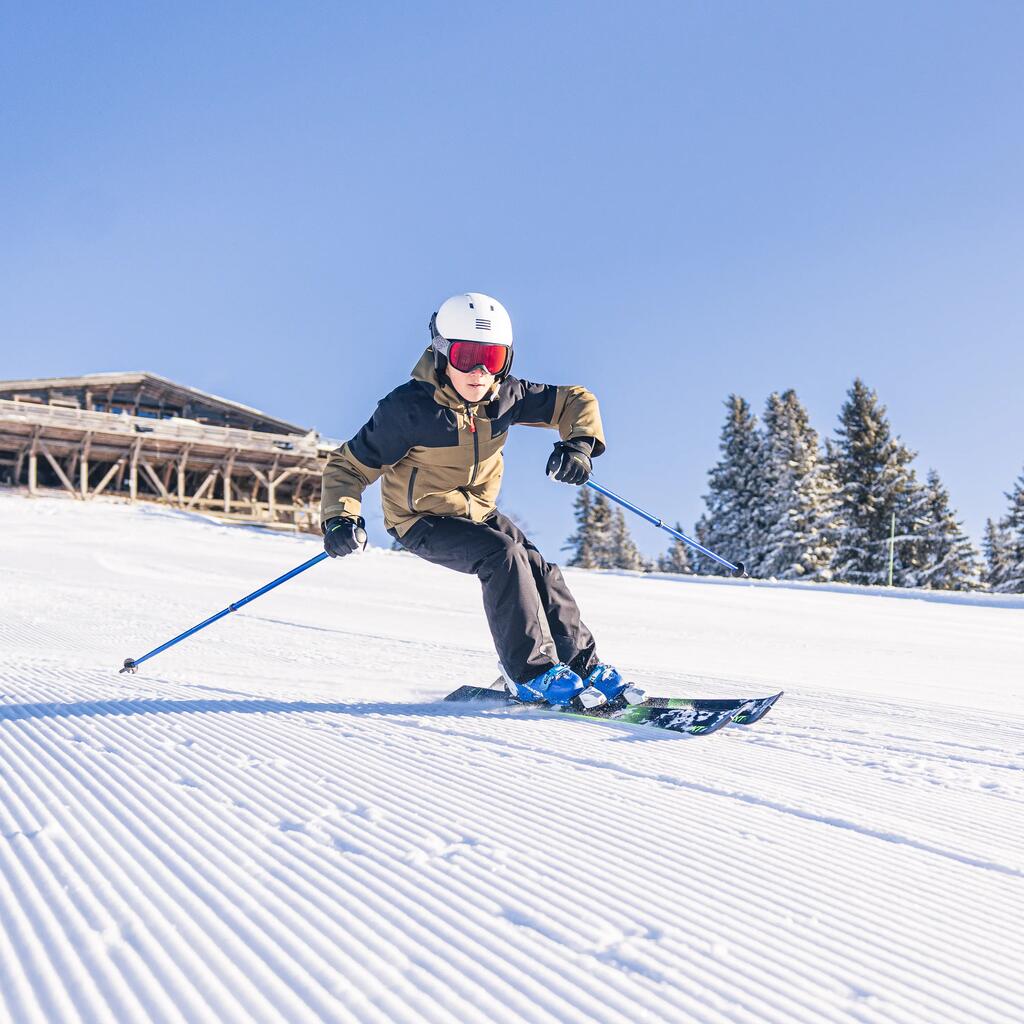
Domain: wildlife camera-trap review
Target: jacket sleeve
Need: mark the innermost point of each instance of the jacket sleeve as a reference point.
(350, 469)
(571, 409)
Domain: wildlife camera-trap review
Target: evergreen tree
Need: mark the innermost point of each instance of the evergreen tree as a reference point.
(800, 510)
(581, 543)
(876, 481)
(602, 521)
(677, 558)
(733, 525)
(1009, 577)
(702, 566)
(592, 546)
(948, 560)
(996, 546)
(626, 555)
(1015, 524)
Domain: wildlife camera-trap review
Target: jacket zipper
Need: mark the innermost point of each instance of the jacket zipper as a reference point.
(476, 445)
(412, 481)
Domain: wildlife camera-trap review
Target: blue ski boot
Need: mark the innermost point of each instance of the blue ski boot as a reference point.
(559, 685)
(607, 681)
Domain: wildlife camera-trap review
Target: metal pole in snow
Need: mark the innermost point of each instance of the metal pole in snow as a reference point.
(892, 546)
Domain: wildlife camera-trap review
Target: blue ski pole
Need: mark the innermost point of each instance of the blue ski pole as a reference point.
(737, 569)
(132, 664)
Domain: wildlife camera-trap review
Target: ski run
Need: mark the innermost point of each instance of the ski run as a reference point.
(279, 820)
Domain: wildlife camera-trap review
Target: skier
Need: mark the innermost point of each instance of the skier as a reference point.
(436, 443)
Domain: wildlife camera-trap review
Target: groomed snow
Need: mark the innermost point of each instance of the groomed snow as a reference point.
(276, 821)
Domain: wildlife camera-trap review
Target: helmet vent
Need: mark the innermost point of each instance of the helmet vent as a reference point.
(483, 325)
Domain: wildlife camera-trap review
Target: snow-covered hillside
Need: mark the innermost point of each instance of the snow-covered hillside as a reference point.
(276, 820)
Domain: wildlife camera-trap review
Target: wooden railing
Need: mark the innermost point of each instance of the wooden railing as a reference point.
(171, 429)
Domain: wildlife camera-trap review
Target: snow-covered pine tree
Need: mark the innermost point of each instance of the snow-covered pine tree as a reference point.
(733, 524)
(702, 566)
(625, 552)
(996, 547)
(581, 544)
(800, 510)
(875, 479)
(1011, 548)
(948, 559)
(602, 524)
(677, 558)
(592, 546)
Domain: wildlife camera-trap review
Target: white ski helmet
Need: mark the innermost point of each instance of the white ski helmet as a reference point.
(470, 316)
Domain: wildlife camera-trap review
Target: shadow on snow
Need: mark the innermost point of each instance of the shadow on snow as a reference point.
(433, 709)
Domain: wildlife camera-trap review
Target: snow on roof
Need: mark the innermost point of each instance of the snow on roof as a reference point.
(143, 376)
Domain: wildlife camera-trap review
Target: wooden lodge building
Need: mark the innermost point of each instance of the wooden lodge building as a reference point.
(147, 438)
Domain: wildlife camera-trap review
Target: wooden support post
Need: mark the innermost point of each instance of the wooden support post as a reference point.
(203, 488)
(83, 478)
(268, 484)
(272, 490)
(157, 482)
(227, 480)
(58, 469)
(107, 477)
(33, 464)
(133, 472)
(182, 465)
(283, 475)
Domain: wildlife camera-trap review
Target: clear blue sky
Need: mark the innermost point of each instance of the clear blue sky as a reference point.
(675, 201)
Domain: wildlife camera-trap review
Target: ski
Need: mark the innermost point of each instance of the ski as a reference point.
(692, 715)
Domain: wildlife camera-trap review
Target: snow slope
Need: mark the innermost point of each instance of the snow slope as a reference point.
(275, 820)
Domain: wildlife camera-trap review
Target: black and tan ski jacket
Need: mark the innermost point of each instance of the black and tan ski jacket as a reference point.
(437, 454)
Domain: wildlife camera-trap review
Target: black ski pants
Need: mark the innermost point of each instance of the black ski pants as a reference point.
(533, 617)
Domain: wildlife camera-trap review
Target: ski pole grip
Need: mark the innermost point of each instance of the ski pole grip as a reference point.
(360, 535)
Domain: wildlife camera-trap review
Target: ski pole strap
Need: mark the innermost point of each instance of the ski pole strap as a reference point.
(736, 569)
(132, 664)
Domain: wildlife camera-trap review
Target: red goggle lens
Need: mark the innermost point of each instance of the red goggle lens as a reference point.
(467, 355)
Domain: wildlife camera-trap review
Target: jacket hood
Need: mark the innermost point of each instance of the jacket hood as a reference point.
(424, 369)
(444, 393)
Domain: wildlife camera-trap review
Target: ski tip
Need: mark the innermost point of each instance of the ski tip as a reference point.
(757, 711)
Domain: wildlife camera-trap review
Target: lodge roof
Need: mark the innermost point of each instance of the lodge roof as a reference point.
(155, 386)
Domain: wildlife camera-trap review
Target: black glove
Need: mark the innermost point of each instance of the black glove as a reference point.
(343, 534)
(570, 461)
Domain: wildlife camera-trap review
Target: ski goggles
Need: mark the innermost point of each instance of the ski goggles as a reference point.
(468, 355)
